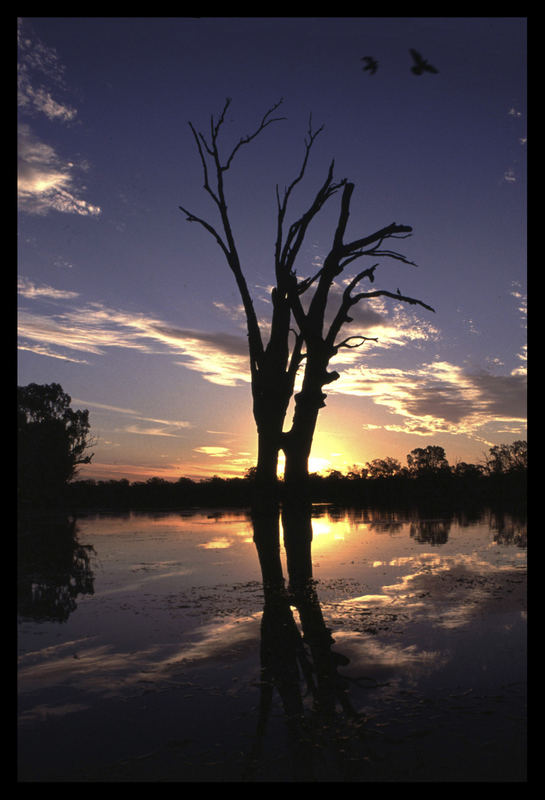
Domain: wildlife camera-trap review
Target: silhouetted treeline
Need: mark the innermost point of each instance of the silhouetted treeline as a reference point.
(428, 477)
(403, 489)
(53, 440)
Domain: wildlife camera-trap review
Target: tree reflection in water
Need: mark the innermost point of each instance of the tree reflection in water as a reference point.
(430, 531)
(53, 568)
(297, 664)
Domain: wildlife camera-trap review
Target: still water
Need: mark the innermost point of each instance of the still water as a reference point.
(193, 647)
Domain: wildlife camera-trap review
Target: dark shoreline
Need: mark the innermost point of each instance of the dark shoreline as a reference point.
(445, 492)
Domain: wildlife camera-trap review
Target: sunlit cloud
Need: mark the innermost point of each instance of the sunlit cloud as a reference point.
(44, 350)
(28, 289)
(216, 452)
(94, 328)
(64, 331)
(41, 100)
(439, 397)
(221, 358)
(509, 176)
(393, 324)
(522, 357)
(235, 312)
(435, 397)
(46, 182)
(517, 293)
(147, 430)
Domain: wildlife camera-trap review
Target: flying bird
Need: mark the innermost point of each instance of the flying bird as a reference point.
(420, 64)
(370, 64)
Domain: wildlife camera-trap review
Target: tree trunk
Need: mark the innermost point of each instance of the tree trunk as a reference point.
(269, 412)
(297, 447)
(297, 443)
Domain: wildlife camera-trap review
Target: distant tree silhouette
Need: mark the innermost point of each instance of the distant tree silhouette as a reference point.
(467, 471)
(429, 460)
(52, 441)
(383, 467)
(507, 458)
(274, 365)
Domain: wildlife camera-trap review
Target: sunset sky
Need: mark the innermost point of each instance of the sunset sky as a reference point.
(133, 309)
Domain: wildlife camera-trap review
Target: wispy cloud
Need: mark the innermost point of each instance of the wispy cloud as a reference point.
(149, 430)
(94, 328)
(28, 289)
(219, 357)
(40, 71)
(436, 397)
(45, 350)
(142, 425)
(41, 100)
(46, 180)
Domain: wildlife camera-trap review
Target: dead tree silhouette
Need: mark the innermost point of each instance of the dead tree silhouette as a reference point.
(274, 365)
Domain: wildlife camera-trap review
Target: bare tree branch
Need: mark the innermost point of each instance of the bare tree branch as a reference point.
(228, 245)
(287, 191)
(390, 253)
(364, 339)
(198, 138)
(193, 218)
(383, 292)
(346, 303)
(298, 229)
(267, 120)
(303, 285)
(378, 236)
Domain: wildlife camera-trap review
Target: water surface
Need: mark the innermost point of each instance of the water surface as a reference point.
(150, 649)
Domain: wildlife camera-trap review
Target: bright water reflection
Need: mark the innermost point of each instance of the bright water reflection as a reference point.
(171, 646)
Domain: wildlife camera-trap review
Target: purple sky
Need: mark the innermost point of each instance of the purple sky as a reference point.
(133, 310)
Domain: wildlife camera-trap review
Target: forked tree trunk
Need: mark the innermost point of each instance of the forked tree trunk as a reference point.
(297, 443)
